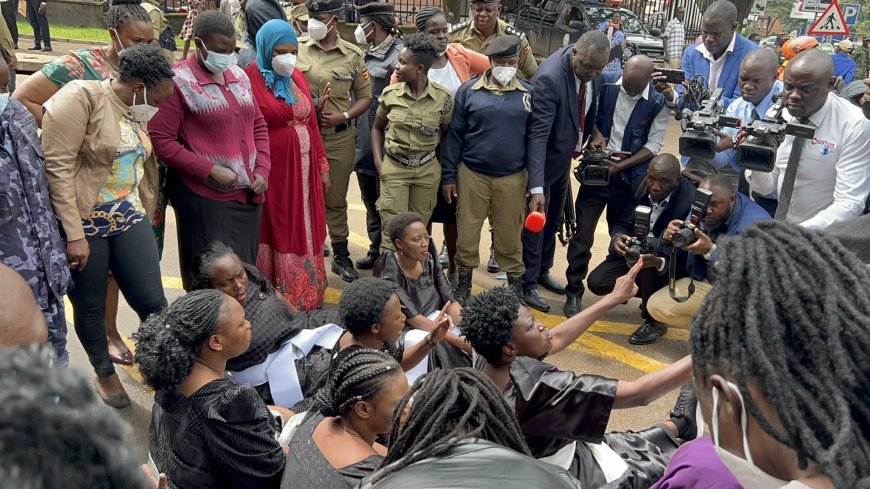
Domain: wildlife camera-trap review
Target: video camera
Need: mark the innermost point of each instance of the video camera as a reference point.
(698, 140)
(638, 244)
(757, 151)
(592, 170)
(686, 235)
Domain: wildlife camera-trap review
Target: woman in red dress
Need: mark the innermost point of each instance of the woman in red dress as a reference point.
(293, 228)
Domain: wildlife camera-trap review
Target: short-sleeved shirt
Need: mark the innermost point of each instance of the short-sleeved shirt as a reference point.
(466, 33)
(342, 67)
(414, 123)
(84, 64)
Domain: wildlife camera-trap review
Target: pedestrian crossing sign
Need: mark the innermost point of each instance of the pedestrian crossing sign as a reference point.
(830, 23)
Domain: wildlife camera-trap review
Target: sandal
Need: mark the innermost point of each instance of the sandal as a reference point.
(117, 401)
(125, 358)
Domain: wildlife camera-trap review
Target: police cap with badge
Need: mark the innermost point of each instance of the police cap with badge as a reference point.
(505, 46)
(316, 7)
(375, 8)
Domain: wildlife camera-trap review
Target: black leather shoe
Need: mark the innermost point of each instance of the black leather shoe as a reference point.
(533, 299)
(572, 306)
(684, 411)
(368, 262)
(46, 49)
(548, 282)
(492, 265)
(648, 333)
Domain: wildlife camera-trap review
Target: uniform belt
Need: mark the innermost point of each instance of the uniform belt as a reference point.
(336, 129)
(414, 161)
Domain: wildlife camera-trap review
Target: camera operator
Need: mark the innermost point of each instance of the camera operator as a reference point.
(758, 86)
(632, 118)
(728, 213)
(823, 180)
(669, 195)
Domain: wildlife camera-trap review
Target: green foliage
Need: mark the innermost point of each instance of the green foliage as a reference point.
(95, 34)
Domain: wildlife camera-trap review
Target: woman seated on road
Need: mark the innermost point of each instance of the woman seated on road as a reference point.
(207, 430)
(371, 313)
(780, 349)
(290, 351)
(454, 427)
(420, 283)
(335, 446)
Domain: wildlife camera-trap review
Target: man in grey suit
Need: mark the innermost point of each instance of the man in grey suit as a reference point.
(564, 104)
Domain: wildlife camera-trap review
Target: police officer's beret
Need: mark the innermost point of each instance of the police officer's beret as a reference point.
(376, 8)
(485, 1)
(504, 47)
(323, 6)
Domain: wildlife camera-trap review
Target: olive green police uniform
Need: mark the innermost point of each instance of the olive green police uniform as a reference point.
(466, 33)
(343, 68)
(410, 173)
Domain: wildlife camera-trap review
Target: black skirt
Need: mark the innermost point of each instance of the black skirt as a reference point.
(444, 212)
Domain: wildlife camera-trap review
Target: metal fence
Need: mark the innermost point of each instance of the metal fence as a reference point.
(405, 9)
(657, 13)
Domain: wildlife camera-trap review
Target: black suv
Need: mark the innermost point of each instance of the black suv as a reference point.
(552, 24)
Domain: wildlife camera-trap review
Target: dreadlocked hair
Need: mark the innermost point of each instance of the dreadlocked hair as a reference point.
(795, 324)
(123, 11)
(356, 374)
(423, 15)
(167, 342)
(205, 260)
(449, 406)
(488, 321)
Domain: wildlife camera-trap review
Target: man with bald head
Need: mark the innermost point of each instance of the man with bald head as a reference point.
(826, 179)
(670, 197)
(717, 57)
(631, 120)
(22, 322)
(758, 88)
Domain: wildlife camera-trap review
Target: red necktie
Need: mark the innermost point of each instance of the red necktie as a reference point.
(581, 105)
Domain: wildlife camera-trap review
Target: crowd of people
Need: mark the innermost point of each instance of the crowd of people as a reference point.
(252, 138)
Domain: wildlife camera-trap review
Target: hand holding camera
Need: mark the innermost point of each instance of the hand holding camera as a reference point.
(636, 246)
(686, 235)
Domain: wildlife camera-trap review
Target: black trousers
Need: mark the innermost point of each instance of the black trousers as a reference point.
(132, 258)
(589, 205)
(540, 248)
(39, 22)
(202, 221)
(10, 14)
(370, 191)
(603, 278)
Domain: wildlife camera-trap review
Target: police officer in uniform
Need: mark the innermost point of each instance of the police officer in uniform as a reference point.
(378, 29)
(485, 27)
(340, 84)
(485, 164)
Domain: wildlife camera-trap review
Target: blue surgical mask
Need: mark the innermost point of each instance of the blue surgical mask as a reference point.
(217, 63)
(4, 101)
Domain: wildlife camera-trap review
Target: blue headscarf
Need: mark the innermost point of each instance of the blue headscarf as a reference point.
(273, 33)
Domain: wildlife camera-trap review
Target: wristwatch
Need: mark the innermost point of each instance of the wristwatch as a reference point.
(708, 254)
(346, 117)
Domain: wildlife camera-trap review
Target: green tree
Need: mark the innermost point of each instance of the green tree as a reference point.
(780, 10)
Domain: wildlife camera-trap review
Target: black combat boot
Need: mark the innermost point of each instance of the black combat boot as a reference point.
(462, 286)
(368, 262)
(341, 264)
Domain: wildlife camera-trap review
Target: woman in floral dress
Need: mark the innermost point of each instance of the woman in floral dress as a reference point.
(194, 7)
(293, 228)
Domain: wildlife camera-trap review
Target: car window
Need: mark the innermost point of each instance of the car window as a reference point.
(630, 23)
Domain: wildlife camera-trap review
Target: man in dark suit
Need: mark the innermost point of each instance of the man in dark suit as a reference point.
(670, 197)
(563, 115)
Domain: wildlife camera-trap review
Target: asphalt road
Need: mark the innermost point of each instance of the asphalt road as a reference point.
(604, 350)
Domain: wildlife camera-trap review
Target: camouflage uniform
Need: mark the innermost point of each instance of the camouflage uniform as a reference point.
(30, 239)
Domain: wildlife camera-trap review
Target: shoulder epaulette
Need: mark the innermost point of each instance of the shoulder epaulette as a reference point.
(458, 27)
(509, 29)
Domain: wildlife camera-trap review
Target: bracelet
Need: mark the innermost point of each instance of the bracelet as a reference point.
(428, 341)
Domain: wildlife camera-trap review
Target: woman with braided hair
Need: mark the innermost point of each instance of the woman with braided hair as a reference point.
(335, 447)
(207, 430)
(781, 349)
(453, 426)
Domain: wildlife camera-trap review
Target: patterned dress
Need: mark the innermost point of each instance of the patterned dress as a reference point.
(617, 44)
(293, 228)
(194, 8)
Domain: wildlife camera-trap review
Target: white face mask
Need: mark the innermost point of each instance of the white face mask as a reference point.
(142, 112)
(283, 64)
(317, 30)
(116, 37)
(744, 470)
(360, 34)
(504, 74)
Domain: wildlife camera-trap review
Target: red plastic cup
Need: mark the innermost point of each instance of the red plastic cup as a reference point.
(535, 222)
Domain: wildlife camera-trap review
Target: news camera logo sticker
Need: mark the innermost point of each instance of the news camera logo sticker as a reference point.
(824, 146)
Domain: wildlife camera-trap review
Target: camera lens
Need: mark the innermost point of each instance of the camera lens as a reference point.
(684, 237)
(633, 255)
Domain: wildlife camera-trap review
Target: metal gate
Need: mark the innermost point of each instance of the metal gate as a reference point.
(657, 13)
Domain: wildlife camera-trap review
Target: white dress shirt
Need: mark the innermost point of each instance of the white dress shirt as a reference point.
(589, 96)
(625, 104)
(716, 65)
(833, 175)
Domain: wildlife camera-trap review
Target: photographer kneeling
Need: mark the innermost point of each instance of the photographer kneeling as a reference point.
(727, 214)
(660, 197)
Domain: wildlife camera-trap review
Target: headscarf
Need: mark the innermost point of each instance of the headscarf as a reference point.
(273, 33)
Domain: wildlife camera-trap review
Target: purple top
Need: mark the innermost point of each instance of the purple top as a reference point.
(696, 465)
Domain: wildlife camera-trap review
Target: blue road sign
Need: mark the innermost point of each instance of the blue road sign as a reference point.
(850, 12)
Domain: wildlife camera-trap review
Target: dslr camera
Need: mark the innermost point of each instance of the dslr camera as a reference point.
(698, 140)
(638, 244)
(686, 235)
(763, 136)
(592, 170)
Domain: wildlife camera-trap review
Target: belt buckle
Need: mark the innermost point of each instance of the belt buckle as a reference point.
(414, 162)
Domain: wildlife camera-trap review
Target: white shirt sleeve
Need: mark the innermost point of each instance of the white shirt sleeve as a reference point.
(852, 185)
(765, 183)
(656, 137)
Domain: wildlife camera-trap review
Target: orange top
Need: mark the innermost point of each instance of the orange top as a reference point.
(466, 62)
